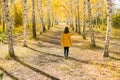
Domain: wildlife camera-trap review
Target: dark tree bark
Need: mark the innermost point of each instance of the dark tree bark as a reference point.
(33, 19)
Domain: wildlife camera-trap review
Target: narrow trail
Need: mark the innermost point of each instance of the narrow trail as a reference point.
(44, 60)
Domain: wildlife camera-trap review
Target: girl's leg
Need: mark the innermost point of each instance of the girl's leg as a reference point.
(67, 48)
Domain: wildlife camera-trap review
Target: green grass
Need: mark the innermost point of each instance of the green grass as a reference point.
(7, 57)
(18, 29)
(2, 39)
(115, 32)
(0, 28)
(89, 46)
(1, 76)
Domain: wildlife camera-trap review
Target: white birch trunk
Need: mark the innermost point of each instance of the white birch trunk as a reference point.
(83, 20)
(75, 9)
(78, 20)
(3, 16)
(10, 38)
(71, 20)
(90, 24)
(13, 17)
(107, 40)
(24, 21)
(40, 12)
(48, 14)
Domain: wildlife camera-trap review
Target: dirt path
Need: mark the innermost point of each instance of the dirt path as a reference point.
(43, 60)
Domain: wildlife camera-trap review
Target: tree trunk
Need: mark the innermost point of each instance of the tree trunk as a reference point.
(52, 18)
(24, 21)
(90, 24)
(83, 21)
(33, 19)
(3, 17)
(43, 24)
(102, 18)
(67, 21)
(48, 14)
(78, 13)
(96, 20)
(10, 38)
(40, 12)
(107, 40)
(76, 23)
(71, 20)
(13, 17)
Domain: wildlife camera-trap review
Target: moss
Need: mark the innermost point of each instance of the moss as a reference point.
(89, 46)
(7, 57)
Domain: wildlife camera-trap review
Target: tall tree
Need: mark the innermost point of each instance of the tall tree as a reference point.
(48, 14)
(10, 38)
(83, 20)
(67, 20)
(78, 19)
(107, 40)
(24, 21)
(71, 20)
(75, 10)
(101, 6)
(3, 16)
(40, 11)
(33, 19)
(96, 20)
(13, 12)
(90, 24)
(52, 18)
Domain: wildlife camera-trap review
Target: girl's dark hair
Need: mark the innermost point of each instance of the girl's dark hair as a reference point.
(66, 30)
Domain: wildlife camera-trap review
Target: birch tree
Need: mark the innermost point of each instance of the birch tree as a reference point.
(75, 10)
(67, 20)
(83, 20)
(3, 16)
(71, 20)
(101, 6)
(90, 24)
(13, 13)
(78, 18)
(10, 38)
(107, 40)
(40, 12)
(33, 19)
(48, 14)
(24, 21)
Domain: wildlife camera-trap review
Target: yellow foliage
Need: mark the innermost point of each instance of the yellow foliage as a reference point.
(59, 8)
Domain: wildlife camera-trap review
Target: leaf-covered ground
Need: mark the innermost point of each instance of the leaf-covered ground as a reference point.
(43, 59)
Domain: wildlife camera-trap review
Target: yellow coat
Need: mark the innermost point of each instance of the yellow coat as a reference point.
(66, 40)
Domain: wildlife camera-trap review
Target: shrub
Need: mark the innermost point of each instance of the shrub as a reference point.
(116, 21)
(2, 39)
(1, 76)
(17, 14)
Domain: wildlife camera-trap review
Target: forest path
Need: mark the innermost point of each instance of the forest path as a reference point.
(43, 59)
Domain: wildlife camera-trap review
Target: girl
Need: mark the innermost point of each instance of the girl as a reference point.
(66, 41)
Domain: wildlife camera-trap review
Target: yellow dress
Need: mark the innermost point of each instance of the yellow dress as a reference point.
(66, 40)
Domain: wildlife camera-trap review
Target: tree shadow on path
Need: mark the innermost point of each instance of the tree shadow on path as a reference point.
(113, 68)
(8, 74)
(114, 58)
(35, 69)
